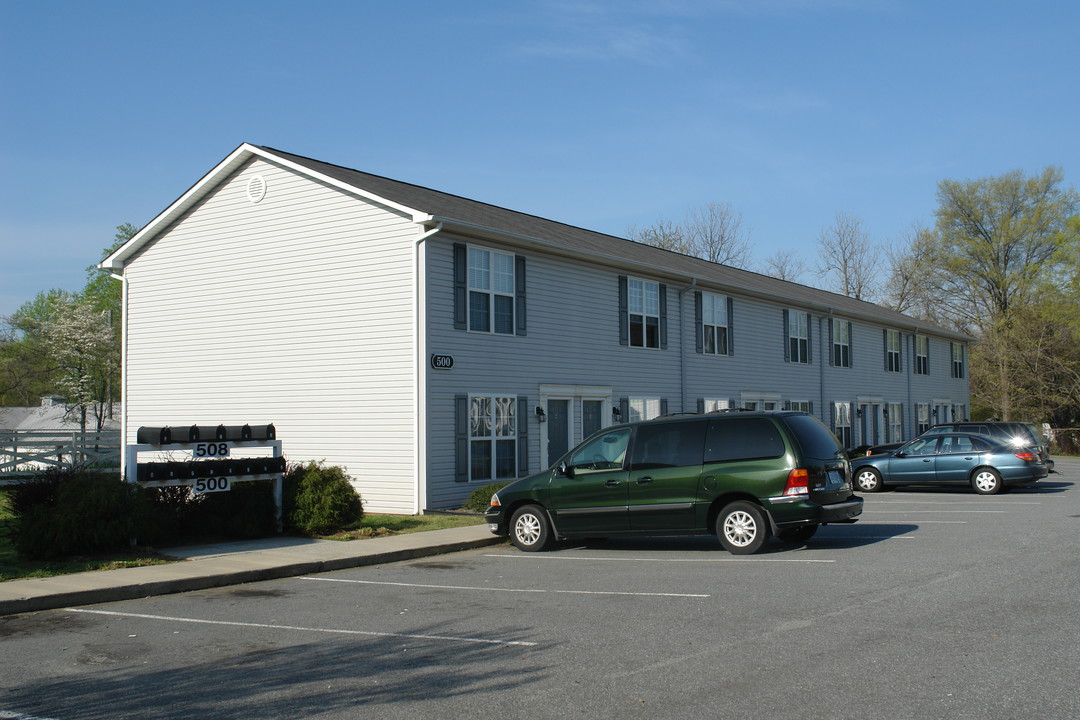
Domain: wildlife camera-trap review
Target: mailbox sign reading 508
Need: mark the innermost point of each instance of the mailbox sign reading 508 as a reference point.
(210, 450)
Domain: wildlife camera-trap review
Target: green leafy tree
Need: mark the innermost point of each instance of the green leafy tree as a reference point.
(67, 343)
(998, 264)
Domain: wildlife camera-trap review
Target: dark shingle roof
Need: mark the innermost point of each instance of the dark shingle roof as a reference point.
(463, 210)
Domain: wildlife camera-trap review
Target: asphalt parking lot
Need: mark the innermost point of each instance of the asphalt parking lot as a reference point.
(937, 604)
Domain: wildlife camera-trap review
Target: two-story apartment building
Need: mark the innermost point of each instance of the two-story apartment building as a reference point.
(430, 343)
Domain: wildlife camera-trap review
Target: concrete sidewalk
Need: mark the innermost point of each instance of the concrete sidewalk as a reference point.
(206, 566)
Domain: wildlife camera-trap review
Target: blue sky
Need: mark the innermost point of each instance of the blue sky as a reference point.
(599, 114)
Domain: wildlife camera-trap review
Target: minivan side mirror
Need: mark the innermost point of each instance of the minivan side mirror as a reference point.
(899, 453)
(565, 470)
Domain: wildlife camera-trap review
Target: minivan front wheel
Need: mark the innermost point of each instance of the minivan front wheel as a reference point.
(742, 528)
(529, 529)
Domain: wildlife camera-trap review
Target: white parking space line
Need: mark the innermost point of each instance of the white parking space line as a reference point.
(8, 715)
(334, 631)
(866, 537)
(921, 522)
(951, 502)
(952, 512)
(511, 590)
(530, 556)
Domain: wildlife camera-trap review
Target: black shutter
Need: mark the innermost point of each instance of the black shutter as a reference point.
(701, 405)
(624, 410)
(787, 340)
(885, 346)
(832, 348)
(519, 281)
(699, 340)
(461, 287)
(730, 326)
(809, 340)
(523, 435)
(663, 407)
(624, 312)
(810, 407)
(663, 317)
(461, 438)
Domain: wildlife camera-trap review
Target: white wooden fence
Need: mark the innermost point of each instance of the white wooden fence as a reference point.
(24, 452)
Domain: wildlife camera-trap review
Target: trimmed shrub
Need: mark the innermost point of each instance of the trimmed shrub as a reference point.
(246, 511)
(320, 500)
(85, 513)
(480, 499)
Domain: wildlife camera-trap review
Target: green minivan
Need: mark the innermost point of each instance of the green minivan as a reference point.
(745, 476)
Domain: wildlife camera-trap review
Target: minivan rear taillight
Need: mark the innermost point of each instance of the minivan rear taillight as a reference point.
(798, 482)
(1025, 456)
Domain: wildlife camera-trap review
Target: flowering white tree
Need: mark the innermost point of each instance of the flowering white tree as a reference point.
(81, 344)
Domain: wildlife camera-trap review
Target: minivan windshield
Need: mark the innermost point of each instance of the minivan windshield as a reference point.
(603, 452)
(816, 440)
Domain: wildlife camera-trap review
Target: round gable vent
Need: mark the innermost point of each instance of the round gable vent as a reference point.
(256, 189)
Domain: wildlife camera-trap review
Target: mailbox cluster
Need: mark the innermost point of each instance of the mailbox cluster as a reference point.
(204, 433)
(157, 471)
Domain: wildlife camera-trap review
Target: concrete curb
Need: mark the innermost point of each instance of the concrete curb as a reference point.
(23, 596)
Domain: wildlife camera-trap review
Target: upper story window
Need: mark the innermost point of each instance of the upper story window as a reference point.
(957, 360)
(892, 351)
(491, 291)
(841, 342)
(642, 313)
(922, 355)
(797, 336)
(644, 306)
(715, 317)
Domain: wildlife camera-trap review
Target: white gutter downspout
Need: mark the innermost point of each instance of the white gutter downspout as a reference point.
(420, 370)
(682, 343)
(123, 375)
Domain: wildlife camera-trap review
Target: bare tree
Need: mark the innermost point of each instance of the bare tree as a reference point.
(715, 233)
(785, 265)
(662, 234)
(848, 258)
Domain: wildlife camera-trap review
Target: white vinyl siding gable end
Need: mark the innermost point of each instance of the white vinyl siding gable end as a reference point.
(297, 310)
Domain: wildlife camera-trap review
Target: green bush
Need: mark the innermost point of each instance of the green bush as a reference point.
(83, 513)
(480, 499)
(246, 511)
(320, 500)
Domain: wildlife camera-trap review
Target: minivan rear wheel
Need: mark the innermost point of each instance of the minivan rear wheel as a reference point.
(742, 528)
(529, 529)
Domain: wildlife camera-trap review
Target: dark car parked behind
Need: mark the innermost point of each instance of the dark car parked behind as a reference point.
(1020, 435)
(745, 476)
(987, 464)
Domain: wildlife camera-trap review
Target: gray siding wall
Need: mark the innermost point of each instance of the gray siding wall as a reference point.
(573, 339)
(297, 310)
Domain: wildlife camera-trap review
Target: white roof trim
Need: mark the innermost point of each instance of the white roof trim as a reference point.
(213, 178)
